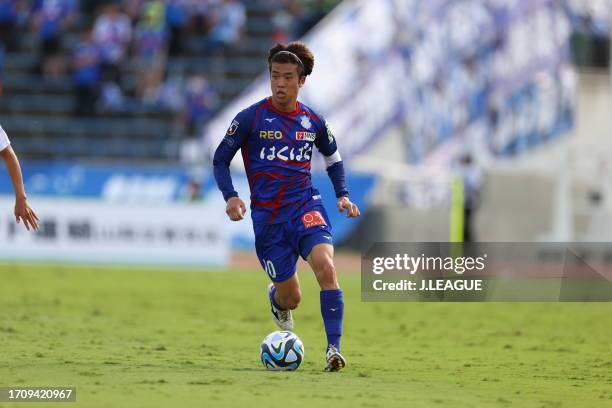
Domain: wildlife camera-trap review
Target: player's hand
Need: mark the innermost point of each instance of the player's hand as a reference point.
(351, 209)
(235, 209)
(24, 213)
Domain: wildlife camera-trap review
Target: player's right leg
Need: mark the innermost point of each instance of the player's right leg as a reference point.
(279, 261)
(284, 297)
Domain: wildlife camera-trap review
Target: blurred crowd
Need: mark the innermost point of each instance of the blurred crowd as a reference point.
(118, 37)
(103, 45)
(294, 18)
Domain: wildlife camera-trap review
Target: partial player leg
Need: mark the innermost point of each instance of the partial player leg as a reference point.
(284, 297)
(287, 294)
(320, 260)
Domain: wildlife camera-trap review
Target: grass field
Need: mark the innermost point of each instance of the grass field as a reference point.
(139, 338)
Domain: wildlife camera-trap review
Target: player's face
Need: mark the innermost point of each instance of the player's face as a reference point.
(286, 83)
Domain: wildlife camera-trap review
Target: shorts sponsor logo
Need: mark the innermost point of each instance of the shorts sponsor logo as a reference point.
(233, 127)
(310, 136)
(312, 219)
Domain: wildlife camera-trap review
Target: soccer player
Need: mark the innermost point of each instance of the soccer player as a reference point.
(23, 212)
(276, 136)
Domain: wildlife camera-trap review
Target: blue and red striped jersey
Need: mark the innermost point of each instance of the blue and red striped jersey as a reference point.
(277, 149)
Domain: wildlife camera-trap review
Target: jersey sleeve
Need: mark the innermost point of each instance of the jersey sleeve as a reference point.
(326, 143)
(4, 140)
(236, 135)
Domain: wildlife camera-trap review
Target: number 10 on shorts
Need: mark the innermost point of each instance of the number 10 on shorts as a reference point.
(269, 268)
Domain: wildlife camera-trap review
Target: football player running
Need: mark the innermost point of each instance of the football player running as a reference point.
(276, 137)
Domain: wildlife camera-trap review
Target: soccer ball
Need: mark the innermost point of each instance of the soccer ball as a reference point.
(282, 351)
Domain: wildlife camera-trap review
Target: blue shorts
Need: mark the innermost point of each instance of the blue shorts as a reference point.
(279, 245)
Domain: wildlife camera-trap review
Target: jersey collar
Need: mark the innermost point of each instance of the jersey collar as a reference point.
(298, 107)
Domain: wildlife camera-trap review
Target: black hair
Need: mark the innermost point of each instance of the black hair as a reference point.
(293, 53)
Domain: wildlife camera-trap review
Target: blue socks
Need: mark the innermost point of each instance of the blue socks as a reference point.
(332, 310)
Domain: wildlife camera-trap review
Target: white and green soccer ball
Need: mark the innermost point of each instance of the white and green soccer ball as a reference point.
(282, 351)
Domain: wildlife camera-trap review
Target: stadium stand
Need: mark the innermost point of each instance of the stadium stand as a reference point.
(143, 110)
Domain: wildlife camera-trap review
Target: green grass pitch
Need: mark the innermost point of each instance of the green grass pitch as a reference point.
(146, 338)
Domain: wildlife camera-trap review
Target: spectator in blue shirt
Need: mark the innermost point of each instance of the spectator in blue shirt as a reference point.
(86, 76)
(201, 100)
(177, 16)
(151, 39)
(8, 24)
(51, 18)
(229, 20)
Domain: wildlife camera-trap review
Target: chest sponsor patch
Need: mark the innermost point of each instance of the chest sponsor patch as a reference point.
(312, 219)
(310, 136)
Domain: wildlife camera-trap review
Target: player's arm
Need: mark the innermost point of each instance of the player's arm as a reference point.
(234, 139)
(326, 143)
(22, 209)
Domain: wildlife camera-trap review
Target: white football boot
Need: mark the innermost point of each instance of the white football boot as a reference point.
(282, 318)
(335, 361)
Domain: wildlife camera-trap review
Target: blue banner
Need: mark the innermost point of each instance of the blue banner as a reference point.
(163, 185)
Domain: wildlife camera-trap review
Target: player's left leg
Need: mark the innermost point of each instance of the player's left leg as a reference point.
(321, 261)
(284, 297)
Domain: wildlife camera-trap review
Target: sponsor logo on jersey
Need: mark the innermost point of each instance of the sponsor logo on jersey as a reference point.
(310, 136)
(312, 219)
(285, 153)
(306, 124)
(233, 127)
(270, 134)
